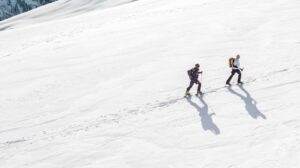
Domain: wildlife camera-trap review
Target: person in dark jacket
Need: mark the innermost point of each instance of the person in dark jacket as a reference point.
(194, 74)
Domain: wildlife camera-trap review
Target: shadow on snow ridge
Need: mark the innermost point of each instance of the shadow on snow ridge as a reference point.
(206, 118)
(250, 103)
(66, 9)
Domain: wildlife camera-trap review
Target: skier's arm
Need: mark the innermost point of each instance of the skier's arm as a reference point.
(239, 67)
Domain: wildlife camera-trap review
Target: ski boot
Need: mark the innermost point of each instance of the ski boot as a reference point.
(187, 94)
(199, 93)
(227, 84)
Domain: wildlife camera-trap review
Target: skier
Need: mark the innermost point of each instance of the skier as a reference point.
(193, 74)
(235, 65)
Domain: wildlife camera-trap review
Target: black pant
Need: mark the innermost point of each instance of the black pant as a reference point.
(192, 83)
(232, 73)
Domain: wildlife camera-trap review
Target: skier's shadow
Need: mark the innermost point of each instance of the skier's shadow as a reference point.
(250, 103)
(206, 119)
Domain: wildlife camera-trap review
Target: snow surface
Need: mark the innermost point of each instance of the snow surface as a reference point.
(104, 87)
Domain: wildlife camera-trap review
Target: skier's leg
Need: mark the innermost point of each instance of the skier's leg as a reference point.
(240, 75)
(230, 77)
(190, 86)
(199, 87)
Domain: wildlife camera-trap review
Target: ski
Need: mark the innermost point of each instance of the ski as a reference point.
(197, 95)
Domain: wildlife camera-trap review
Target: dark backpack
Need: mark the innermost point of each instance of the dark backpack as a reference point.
(190, 73)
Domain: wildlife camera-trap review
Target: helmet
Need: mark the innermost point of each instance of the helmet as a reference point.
(197, 65)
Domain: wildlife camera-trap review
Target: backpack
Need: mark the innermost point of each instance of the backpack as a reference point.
(189, 72)
(230, 61)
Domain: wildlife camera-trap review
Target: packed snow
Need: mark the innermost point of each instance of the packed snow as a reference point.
(102, 83)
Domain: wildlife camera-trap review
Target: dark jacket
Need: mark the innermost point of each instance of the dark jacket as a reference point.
(194, 74)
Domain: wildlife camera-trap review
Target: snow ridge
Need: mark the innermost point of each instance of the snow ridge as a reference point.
(9, 8)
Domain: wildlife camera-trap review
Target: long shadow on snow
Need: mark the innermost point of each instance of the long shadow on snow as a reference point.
(250, 103)
(206, 119)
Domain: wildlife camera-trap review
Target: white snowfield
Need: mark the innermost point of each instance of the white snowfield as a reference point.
(100, 84)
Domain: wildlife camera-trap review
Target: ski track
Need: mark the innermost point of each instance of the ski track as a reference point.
(146, 108)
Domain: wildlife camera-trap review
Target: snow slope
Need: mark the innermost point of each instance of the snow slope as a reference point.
(104, 87)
